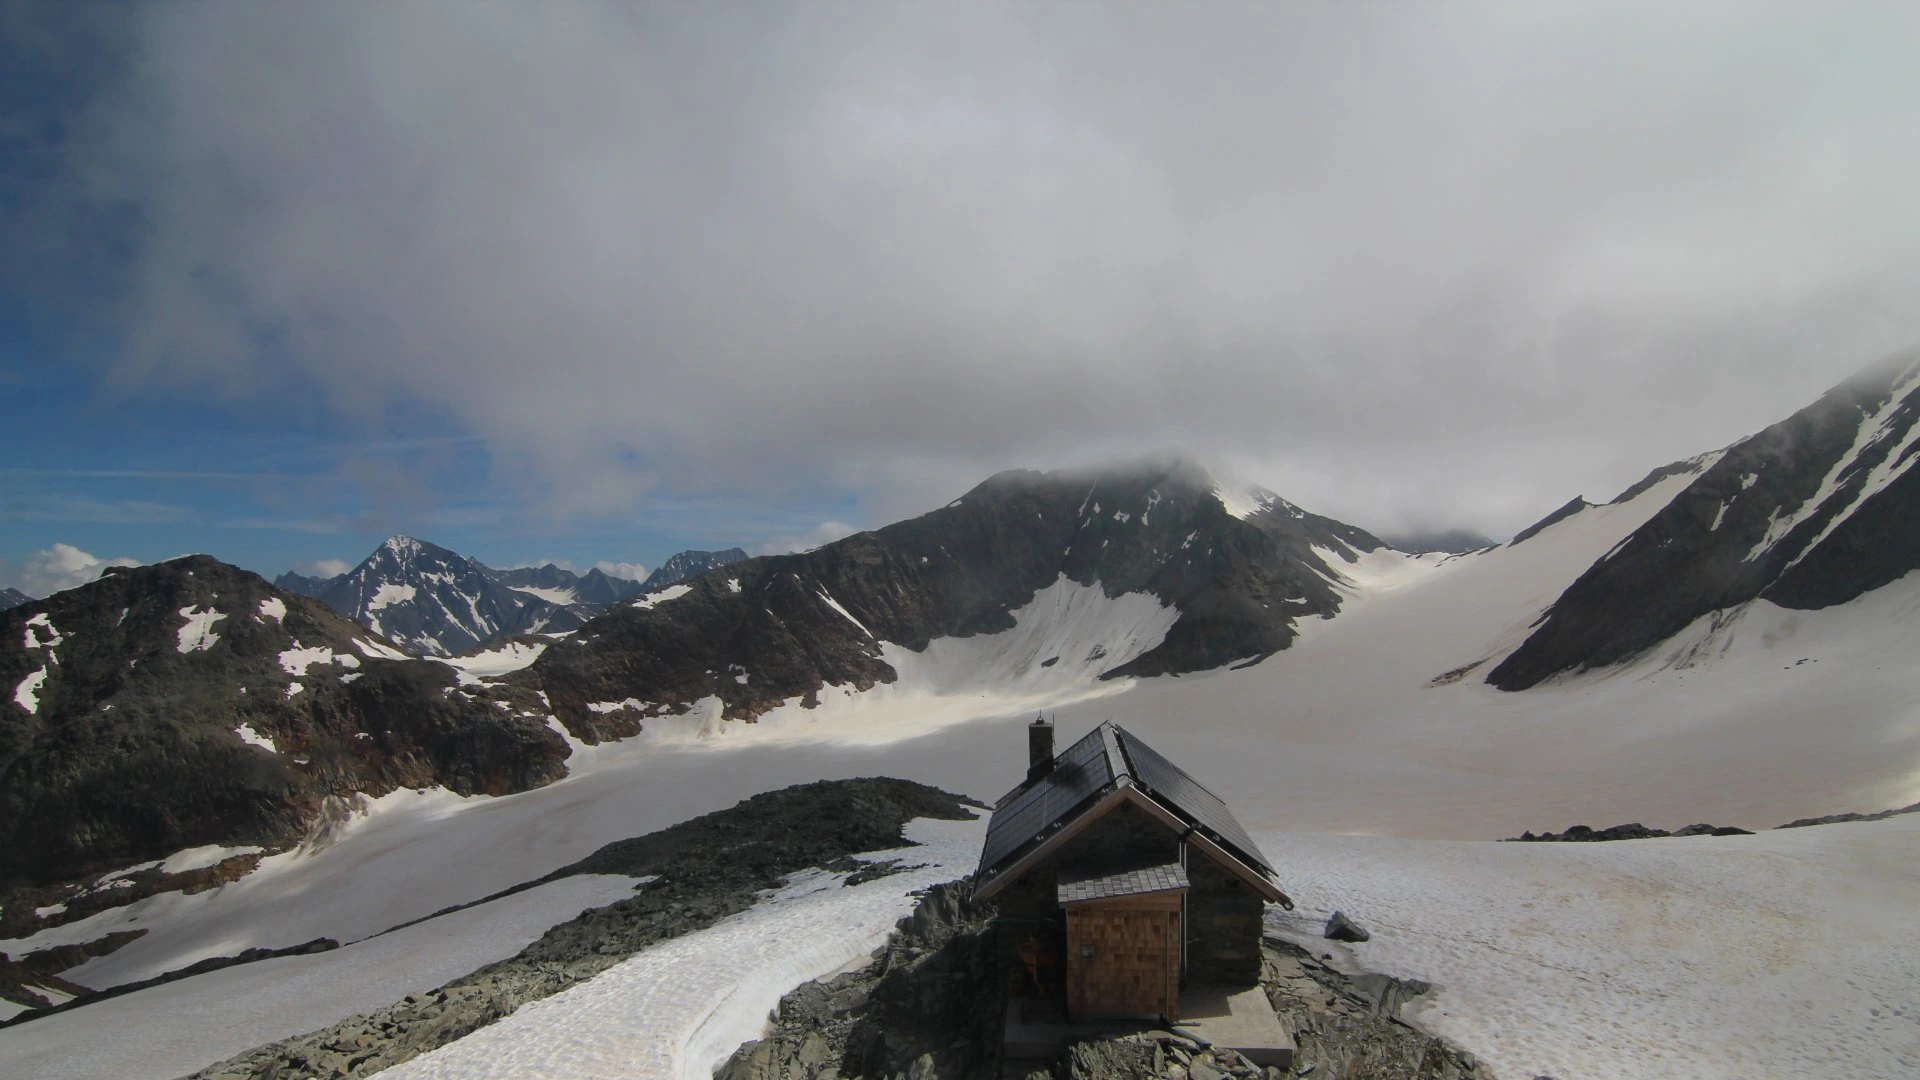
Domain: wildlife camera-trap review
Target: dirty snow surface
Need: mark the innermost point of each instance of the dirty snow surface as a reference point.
(704, 994)
(177, 1028)
(1788, 953)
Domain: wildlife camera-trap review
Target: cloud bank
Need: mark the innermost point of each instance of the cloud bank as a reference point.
(1409, 265)
(56, 569)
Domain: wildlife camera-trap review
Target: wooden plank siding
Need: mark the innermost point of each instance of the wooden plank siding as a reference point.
(1123, 958)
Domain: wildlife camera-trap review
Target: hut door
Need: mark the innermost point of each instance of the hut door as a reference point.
(1123, 962)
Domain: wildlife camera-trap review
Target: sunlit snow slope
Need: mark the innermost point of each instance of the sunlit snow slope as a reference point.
(1756, 717)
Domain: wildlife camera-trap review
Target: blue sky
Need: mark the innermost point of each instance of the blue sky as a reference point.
(596, 280)
(279, 483)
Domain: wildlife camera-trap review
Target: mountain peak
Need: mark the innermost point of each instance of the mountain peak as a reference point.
(402, 546)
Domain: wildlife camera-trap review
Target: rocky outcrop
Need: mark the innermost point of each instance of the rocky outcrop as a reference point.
(767, 630)
(1811, 512)
(1342, 928)
(1350, 1025)
(1567, 510)
(930, 1005)
(1582, 834)
(190, 703)
(703, 870)
(1835, 819)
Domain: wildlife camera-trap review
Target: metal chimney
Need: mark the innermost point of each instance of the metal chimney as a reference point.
(1039, 748)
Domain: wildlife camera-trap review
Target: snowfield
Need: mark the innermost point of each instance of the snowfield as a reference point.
(704, 994)
(1789, 953)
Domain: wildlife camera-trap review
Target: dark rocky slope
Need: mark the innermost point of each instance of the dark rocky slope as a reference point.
(765, 630)
(1811, 512)
(128, 747)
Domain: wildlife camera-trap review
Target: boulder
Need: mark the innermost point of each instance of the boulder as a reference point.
(1341, 928)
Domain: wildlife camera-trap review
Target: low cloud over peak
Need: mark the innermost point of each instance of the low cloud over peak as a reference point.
(1444, 265)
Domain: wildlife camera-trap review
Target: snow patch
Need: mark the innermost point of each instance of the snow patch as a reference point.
(389, 594)
(297, 660)
(379, 651)
(199, 858)
(273, 608)
(33, 627)
(615, 706)
(844, 613)
(661, 596)
(253, 738)
(197, 634)
(563, 597)
(1241, 502)
(27, 694)
(491, 663)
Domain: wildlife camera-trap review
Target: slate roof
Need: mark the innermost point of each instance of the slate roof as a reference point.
(1153, 879)
(1085, 773)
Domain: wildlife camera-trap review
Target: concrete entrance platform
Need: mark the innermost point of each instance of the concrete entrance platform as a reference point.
(1237, 1019)
(1240, 1020)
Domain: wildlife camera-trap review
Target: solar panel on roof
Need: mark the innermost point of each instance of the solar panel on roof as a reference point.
(1188, 796)
(1079, 773)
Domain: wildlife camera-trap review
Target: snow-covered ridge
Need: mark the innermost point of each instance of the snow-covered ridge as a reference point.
(1874, 427)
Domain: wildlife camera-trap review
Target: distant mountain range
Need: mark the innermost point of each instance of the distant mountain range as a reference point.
(10, 598)
(436, 602)
(192, 703)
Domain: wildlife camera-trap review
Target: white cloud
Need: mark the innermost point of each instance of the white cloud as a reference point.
(323, 568)
(1452, 263)
(62, 566)
(632, 571)
(824, 533)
